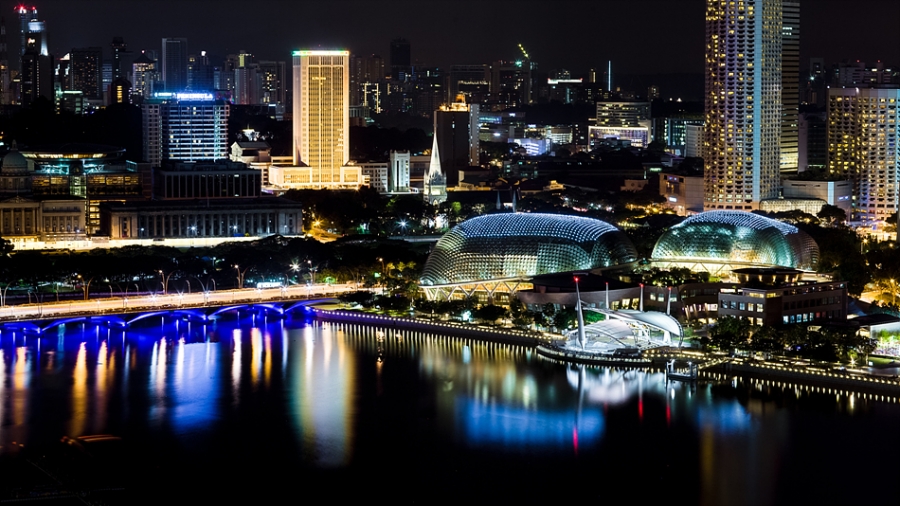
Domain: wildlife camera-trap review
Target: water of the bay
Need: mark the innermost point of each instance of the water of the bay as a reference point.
(264, 410)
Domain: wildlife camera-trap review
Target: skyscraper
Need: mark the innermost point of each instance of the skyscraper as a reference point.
(741, 147)
(119, 53)
(401, 60)
(272, 82)
(363, 71)
(174, 64)
(321, 116)
(5, 72)
(25, 15)
(456, 132)
(37, 63)
(85, 65)
(144, 75)
(864, 146)
(200, 73)
(790, 86)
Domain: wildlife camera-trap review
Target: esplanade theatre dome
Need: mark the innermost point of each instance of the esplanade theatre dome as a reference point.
(734, 239)
(517, 245)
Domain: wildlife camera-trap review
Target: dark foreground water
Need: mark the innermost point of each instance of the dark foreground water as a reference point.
(257, 411)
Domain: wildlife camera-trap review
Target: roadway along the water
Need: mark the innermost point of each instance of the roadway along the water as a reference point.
(169, 301)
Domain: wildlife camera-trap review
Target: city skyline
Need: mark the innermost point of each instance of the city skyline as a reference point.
(667, 37)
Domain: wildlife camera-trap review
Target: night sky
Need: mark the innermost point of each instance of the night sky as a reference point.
(640, 36)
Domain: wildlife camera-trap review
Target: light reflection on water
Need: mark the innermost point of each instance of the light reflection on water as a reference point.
(312, 386)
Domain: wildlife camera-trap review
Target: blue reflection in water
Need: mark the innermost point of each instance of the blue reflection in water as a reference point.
(726, 418)
(512, 427)
(196, 385)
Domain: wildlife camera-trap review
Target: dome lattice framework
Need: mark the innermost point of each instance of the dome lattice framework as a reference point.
(716, 240)
(521, 245)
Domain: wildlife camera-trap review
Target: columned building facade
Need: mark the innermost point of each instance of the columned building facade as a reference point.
(258, 217)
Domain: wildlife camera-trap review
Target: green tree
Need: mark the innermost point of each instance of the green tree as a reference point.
(490, 313)
(729, 333)
(832, 214)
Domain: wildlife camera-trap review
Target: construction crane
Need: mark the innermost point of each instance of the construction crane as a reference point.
(525, 53)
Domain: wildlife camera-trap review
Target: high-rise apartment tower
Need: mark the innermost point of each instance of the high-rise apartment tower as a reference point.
(742, 137)
(864, 146)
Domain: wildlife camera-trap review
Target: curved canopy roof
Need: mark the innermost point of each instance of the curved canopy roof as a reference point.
(503, 246)
(655, 319)
(737, 237)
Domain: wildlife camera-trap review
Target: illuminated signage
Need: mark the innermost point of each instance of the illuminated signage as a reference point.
(321, 53)
(564, 81)
(184, 95)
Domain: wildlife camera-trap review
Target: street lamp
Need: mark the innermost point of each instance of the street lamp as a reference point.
(165, 280)
(312, 271)
(3, 295)
(240, 275)
(85, 285)
(384, 281)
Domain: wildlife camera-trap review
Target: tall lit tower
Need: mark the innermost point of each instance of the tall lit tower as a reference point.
(864, 146)
(790, 86)
(322, 117)
(175, 64)
(5, 74)
(25, 15)
(741, 146)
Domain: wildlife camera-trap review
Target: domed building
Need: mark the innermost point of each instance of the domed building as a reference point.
(15, 172)
(722, 241)
(503, 251)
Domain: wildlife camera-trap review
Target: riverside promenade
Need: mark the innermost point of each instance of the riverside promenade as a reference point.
(712, 367)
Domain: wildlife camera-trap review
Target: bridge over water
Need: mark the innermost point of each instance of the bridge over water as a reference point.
(276, 309)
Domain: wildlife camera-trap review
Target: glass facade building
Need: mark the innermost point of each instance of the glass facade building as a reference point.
(519, 245)
(735, 238)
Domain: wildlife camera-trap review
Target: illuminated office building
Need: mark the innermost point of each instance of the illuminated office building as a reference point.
(185, 126)
(742, 133)
(863, 130)
(628, 121)
(144, 75)
(321, 116)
